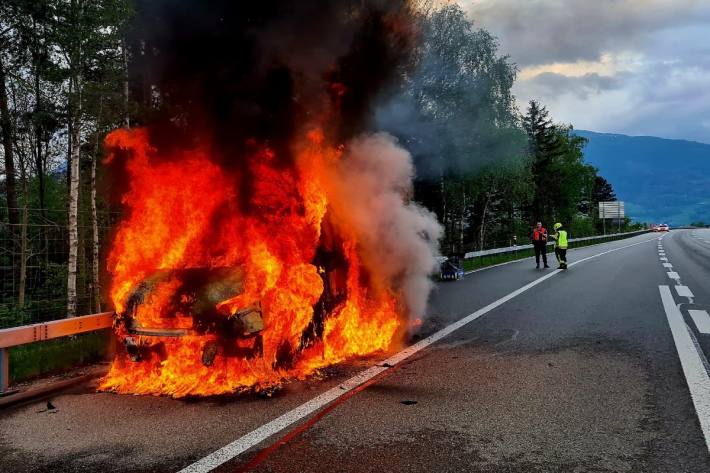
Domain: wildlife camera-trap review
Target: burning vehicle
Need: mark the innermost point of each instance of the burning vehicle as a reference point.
(199, 292)
(193, 310)
(266, 231)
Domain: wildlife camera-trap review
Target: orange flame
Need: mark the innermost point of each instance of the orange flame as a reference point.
(184, 213)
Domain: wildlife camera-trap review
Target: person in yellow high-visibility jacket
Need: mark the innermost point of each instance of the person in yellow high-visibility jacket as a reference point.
(560, 237)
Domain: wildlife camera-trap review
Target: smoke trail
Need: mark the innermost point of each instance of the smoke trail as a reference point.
(398, 238)
(230, 72)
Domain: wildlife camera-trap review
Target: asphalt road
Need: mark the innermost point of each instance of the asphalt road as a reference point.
(585, 371)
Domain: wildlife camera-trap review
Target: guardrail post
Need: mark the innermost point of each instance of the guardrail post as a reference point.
(4, 370)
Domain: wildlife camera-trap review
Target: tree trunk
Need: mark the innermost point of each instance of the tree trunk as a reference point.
(95, 283)
(482, 233)
(127, 117)
(6, 127)
(23, 240)
(461, 221)
(39, 160)
(24, 247)
(75, 149)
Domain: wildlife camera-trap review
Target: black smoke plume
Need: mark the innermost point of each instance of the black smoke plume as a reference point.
(230, 72)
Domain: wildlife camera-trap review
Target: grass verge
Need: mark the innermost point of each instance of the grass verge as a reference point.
(35, 359)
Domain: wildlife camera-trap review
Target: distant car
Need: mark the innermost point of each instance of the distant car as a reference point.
(663, 227)
(654, 227)
(451, 270)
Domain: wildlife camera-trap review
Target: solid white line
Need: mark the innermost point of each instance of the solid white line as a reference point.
(693, 367)
(673, 275)
(684, 291)
(244, 443)
(667, 265)
(701, 319)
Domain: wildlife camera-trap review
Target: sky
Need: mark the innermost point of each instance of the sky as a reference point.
(636, 67)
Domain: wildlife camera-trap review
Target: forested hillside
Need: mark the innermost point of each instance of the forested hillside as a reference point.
(661, 180)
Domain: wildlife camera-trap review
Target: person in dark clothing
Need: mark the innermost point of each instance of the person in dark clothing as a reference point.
(539, 240)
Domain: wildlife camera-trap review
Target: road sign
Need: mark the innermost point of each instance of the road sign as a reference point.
(613, 210)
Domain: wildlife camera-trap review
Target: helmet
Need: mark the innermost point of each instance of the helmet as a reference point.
(558, 226)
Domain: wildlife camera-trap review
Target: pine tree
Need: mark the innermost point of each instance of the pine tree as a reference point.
(543, 149)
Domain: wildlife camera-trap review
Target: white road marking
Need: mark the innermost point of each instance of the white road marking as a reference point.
(684, 291)
(663, 258)
(701, 319)
(667, 265)
(673, 275)
(244, 443)
(693, 367)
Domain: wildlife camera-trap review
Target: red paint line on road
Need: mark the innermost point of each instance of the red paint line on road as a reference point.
(264, 454)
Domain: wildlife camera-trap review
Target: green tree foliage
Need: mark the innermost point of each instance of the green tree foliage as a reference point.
(457, 116)
(63, 83)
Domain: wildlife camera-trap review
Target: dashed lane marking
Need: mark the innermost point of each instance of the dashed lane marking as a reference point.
(684, 291)
(691, 360)
(673, 275)
(667, 265)
(701, 319)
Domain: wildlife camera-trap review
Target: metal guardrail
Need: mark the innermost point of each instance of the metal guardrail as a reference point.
(12, 337)
(515, 248)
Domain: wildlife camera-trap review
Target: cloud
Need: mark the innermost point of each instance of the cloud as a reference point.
(659, 99)
(547, 31)
(550, 83)
(640, 67)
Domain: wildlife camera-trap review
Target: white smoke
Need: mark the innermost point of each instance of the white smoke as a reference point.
(398, 239)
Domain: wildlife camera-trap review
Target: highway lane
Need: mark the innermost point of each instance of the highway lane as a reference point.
(579, 373)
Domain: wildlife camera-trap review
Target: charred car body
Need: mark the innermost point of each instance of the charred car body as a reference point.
(189, 300)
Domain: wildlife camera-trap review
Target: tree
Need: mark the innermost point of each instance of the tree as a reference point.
(543, 151)
(603, 191)
(88, 36)
(456, 114)
(7, 142)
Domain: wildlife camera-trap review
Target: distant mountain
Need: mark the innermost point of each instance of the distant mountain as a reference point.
(662, 181)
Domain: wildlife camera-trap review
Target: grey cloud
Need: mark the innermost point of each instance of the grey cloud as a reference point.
(539, 32)
(549, 83)
(664, 89)
(670, 100)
